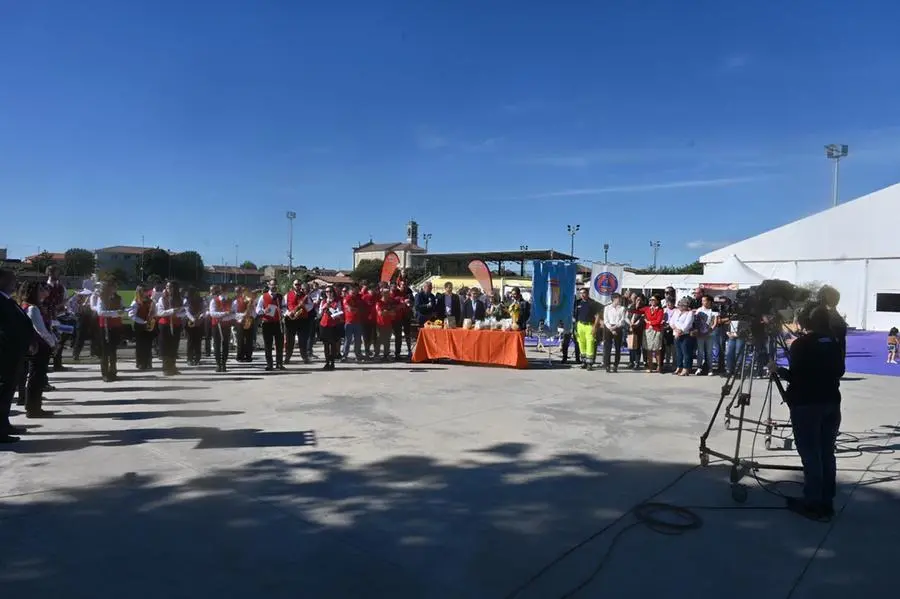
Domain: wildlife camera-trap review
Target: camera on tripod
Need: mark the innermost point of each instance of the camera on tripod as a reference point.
(768, 307)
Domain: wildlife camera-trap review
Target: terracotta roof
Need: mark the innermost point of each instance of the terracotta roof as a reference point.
(334, 280)
(386, 247)
(231, 270)
(55, 256)
(123, 249)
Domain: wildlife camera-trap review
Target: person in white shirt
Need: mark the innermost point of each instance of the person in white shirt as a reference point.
(142, 313)
(221, 317)
(613, 327)
(705, 323)
(682, 324)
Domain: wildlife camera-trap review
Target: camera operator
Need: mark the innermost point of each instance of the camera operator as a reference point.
(814, 398)
(830, 297)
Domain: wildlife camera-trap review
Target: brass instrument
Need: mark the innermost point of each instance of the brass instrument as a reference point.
(298, 312)
(248, 313)
(151, 320)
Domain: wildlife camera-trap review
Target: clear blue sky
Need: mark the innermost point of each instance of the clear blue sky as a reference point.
(493, 124)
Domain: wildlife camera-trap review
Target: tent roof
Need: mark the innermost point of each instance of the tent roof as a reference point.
(732, 271)
(862, 228)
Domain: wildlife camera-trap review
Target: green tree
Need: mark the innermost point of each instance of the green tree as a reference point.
(79, 262)
(247, 265)
(367, 270)
(42, 261)
(156, 262)
(117, 274)
(188, 267)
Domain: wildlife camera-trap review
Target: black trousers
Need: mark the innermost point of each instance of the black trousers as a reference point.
(109, 353)
(221, 344)
(168, 347)
(36, 379)
(611, 338)
(143, 347)
(297, 333)
(10, 374)
(208, 336)
(635, 353)
(370, 336)
(244, 341)
(194, 336)
(568, 339)
(82, 334)
(402, 330)
(272, 336)
(96, 339)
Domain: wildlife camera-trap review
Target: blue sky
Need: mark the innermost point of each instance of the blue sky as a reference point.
(493, 124)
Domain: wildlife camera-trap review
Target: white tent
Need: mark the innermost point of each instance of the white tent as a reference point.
(731, 272)
(853, 246)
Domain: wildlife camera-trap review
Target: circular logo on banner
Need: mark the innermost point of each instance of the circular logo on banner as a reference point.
(606, 283)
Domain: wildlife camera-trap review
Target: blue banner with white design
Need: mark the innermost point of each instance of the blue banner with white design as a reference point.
(552, 294)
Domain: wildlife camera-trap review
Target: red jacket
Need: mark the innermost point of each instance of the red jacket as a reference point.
(386, 312)
(400, 297)
(327, 319)
(355, 310)
(371, 300)
(654, 320)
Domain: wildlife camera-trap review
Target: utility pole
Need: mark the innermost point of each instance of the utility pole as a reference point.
(524, 249)
(235, 256)
(142, 259)
(836, 152)
(427, 238)
(655, 246)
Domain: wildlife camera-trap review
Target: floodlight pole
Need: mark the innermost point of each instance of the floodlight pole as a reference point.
(291, 215)
(655, 246)
(572, 230)
(835, 152)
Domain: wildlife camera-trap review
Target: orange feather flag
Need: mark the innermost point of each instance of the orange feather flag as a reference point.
(482, 274)
(390, 266)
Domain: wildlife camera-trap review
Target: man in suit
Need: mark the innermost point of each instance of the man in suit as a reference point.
(16, 336)
(449, 308)
(474, 309)
(426, 304)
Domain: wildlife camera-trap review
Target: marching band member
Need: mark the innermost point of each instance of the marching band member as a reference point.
(329, 327)
(196, 315)
(386, 311)
(294, 303)
(244, 314)
(221, 317)
(110, 312)
(96, 340)
(34, 299)
(170, 311)
(56, 304)
(269, 308)
(143, 313)
(79, 305)
(370, 326)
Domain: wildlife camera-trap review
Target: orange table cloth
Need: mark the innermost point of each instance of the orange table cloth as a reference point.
(499, 348)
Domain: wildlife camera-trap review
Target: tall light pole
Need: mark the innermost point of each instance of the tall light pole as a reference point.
(427, 238)
(524, 249)
(572, 229)
(235, 256)
(605, 253)
(142, 259)
(654, 245)
(291, 215)
(836, 152)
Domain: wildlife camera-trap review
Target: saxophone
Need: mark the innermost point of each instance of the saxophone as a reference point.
(151, 320)
(248, 317)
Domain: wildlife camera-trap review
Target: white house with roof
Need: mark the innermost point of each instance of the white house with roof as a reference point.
(855, 247)
(406, 251)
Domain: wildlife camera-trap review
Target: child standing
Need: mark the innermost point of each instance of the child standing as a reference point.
(892, 342)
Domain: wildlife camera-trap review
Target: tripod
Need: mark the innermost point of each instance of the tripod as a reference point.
(738, 389)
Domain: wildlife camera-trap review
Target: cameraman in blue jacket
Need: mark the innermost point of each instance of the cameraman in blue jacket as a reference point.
(814, 398)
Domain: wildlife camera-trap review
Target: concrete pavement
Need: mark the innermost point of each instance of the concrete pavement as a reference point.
(432, 481)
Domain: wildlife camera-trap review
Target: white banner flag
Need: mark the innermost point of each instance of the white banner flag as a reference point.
(606, 279)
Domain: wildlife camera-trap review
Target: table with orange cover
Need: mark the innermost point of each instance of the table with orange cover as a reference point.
(498, 348)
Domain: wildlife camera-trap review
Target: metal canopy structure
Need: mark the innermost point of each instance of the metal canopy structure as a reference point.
(458, 263)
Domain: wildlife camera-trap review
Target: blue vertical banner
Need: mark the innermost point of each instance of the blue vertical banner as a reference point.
(552, 293)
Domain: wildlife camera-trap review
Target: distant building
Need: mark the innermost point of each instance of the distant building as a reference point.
(229, 275)
(126, 258)
(56, 257)
(336, 280)
(2, 253)
(276, 271)
(408, 251)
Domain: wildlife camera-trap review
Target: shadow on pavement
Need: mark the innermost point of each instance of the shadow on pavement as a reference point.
(314, 524)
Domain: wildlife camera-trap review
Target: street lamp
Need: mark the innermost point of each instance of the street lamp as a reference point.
(142, 259)
(291, 215)
(654, 245)
(235, 256)
(572, 229)
(427, 238)
(524, 249)
(605, 253)
(836, 152)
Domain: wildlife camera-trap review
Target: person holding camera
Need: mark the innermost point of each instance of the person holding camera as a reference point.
(814, 398)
